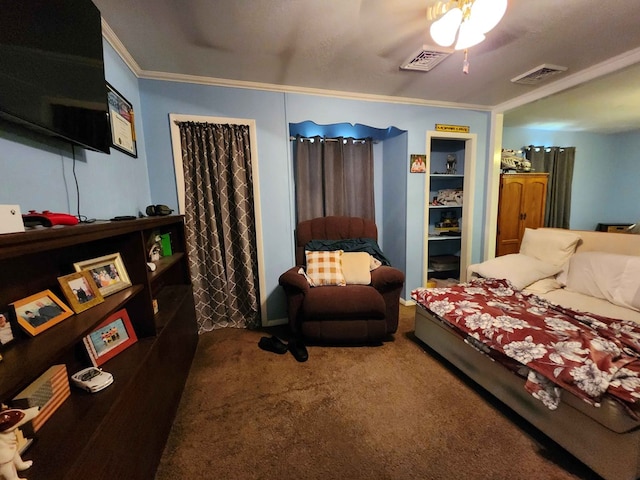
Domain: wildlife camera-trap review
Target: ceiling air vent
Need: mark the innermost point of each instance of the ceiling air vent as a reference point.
(425, 59)
(538, 74)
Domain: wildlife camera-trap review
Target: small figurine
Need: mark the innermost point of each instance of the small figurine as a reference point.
(10, 460)
(451, 163)
(154, 252)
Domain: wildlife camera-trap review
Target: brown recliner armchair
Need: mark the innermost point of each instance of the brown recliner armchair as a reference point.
(341, 314)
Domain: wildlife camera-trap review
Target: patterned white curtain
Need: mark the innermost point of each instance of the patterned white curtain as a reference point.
(220, 224)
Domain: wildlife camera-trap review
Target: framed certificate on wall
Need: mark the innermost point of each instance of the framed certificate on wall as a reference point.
(121, 118)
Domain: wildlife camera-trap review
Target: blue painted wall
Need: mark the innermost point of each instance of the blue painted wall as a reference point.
(402, 192)
(406, 188)
(394, 212)
(37, 171)
(604, 164)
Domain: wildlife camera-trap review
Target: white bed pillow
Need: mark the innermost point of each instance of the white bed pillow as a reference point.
(521, 270)
(611, 276)
(551, 245)
(544, 285)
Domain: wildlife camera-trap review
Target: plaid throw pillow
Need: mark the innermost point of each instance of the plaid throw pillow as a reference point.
(325, 268)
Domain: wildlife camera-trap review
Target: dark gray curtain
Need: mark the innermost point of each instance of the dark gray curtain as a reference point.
(558, 162)
(220, 224)
(333, 177)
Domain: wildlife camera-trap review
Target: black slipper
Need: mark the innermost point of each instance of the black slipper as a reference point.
(298, 350)
(272, 344)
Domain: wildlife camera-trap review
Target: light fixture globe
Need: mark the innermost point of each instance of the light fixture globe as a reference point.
(443, 31)
(468, 36)
(486, 14)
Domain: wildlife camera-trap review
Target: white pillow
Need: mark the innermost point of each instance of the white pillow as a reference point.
(551, 245)
(544, 285)
(521, 270)
(611, 276)
(356, 268)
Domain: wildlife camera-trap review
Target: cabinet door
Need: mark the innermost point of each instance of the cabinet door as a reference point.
(533, 203)
(512, 193)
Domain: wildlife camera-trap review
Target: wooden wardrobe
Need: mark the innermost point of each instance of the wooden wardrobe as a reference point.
(521, 205)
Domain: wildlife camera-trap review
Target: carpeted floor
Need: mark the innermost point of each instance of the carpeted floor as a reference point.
(394, 411)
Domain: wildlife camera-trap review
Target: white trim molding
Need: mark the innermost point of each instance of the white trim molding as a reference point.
(493, 186)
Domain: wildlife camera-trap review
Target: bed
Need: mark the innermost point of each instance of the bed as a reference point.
(601, 429)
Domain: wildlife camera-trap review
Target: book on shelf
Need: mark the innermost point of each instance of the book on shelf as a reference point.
(165, 245)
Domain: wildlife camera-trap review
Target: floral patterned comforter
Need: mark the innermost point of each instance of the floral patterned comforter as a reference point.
(587, 354)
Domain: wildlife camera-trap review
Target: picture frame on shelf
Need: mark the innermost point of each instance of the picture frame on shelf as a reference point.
(40, 311)
(80, 290)
(6, 332)
(113, 335)
(122, 120)
(418, 163)
(108, 272)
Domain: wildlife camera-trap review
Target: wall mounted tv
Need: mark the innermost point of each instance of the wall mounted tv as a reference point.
(52, 69)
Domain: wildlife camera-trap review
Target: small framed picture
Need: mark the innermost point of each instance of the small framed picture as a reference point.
(80, 290)
(40, 312)
(108, 273)
(418, 163)
(6, 334)
(113, 336)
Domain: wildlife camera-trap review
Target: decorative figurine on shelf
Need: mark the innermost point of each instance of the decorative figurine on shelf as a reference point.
(156, 248)
(451, 163)
(10, 460)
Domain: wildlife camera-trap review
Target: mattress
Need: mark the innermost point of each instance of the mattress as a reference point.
(586, 303)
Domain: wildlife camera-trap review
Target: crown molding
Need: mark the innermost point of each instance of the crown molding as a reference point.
(611, 65)
(222, 82)
(110, 36)
(121, 50)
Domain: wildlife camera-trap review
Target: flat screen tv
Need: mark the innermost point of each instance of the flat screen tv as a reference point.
(52, 69)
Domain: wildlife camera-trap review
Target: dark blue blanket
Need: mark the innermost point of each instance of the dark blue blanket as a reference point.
(368, 245)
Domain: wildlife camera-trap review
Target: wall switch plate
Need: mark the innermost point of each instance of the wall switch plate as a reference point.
(11, 219)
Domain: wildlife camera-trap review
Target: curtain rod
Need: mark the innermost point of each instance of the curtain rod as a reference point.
(328, 139)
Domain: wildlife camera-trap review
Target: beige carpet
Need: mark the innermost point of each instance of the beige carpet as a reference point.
(394, 411)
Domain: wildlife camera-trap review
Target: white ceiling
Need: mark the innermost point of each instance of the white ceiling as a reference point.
(355, 48)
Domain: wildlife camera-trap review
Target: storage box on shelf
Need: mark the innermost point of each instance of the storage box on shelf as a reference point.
(93, 433)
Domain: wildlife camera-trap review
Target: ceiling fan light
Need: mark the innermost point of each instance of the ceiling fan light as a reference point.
(468, 36)
(443, 31)
(486, 14)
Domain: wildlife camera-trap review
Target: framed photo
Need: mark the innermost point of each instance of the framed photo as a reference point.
(6, 334)
(112, 336)
(418, 163)
(80, 290)
(40, 312)
(108, 273)
(123, 128)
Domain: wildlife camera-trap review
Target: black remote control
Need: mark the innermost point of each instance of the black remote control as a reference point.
(123, 217)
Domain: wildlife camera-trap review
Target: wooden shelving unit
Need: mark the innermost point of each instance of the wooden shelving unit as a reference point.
(119, 432)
